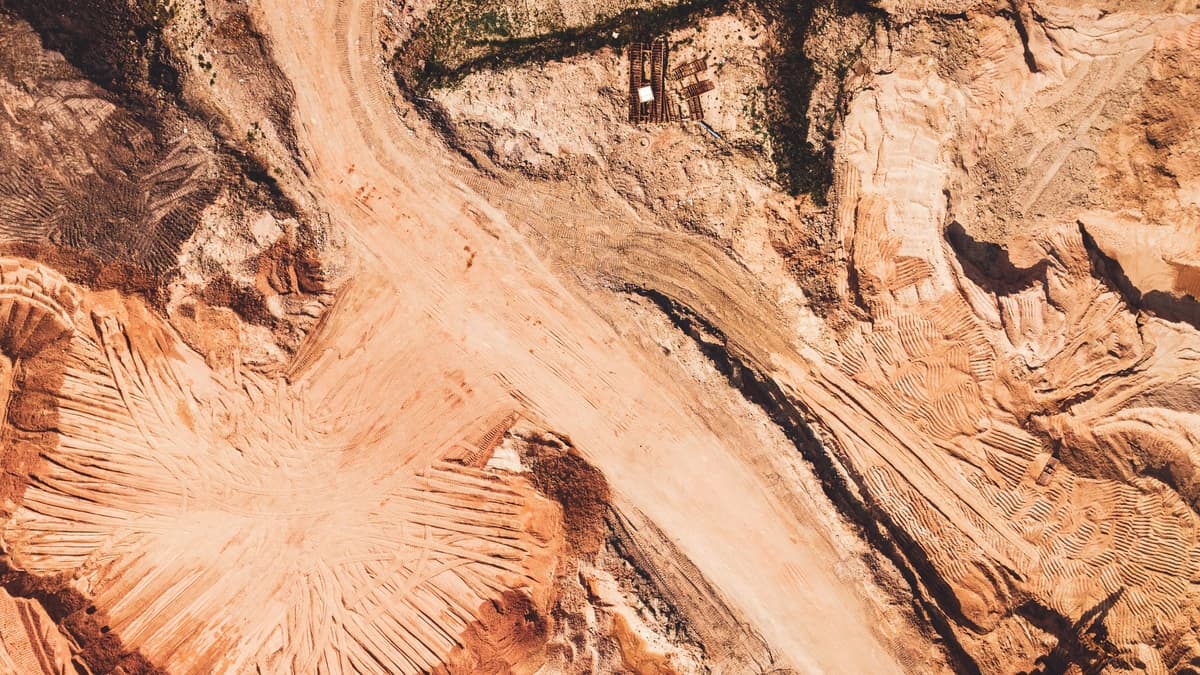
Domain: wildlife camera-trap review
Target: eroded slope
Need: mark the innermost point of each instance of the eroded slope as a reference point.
(601, 398)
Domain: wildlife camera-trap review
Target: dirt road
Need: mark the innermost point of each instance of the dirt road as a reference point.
(453, 303)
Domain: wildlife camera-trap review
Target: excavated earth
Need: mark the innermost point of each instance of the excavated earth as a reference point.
(370, 336)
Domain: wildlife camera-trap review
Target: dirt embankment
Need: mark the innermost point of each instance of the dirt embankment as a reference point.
(973, 277)
(126, 161)
(893, 253)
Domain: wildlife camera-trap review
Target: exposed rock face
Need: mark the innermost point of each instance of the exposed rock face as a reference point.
(372, 337)
(1017, 240)
(1004, 375)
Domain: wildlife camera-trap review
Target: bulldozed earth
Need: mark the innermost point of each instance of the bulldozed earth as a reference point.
(634, 336)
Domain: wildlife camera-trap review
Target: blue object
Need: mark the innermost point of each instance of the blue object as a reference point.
(711, 130)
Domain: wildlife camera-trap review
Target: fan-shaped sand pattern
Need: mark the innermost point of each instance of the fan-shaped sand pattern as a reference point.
(221, 541)
(975, 377)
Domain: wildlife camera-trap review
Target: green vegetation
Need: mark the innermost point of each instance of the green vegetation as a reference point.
(490, 22)
(158, 12)
(460, 30)
(206, 65)
(497, 37)
(753, 110)
(794, 119)
(813, 48)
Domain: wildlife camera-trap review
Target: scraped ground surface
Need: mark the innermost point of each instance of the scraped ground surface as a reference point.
(541, 391)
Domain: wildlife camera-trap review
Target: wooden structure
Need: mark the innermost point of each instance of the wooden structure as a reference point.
(695, 89)
(649, 100)
(690, 68)
(648, 68)
(691, 92)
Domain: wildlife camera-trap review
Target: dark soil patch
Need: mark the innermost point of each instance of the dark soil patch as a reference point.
(102, 650)
(561, 474)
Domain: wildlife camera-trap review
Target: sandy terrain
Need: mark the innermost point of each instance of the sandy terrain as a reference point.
(314, 365)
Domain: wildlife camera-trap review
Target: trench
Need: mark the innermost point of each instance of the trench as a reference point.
(933, 601)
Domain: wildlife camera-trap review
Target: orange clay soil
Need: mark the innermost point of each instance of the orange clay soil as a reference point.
(515, 433)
